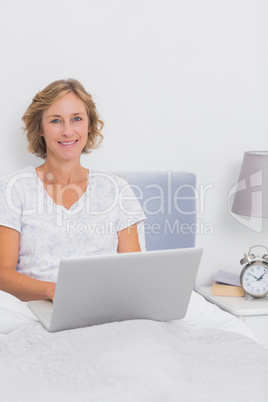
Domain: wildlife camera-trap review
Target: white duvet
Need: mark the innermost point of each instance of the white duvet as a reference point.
(208, 356)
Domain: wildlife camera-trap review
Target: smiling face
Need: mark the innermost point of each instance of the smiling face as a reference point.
(65, 128)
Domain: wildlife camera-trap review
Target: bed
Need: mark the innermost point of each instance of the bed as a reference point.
(209, 355)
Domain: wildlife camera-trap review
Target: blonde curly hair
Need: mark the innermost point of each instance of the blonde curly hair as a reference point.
(32, 118)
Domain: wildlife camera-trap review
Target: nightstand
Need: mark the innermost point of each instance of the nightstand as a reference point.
(253, 312)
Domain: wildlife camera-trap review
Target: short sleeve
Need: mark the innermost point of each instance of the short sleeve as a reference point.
(10, 203)
(129, 208)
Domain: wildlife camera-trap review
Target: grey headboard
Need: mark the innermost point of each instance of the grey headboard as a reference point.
(169, 202)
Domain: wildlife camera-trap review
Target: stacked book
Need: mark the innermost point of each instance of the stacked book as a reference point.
(227, 284)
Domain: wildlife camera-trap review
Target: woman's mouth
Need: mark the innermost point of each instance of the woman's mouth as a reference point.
(67, 143)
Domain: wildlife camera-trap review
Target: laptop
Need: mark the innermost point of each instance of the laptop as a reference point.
(152, 285)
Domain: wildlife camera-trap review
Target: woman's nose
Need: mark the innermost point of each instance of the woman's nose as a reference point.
(67, 130)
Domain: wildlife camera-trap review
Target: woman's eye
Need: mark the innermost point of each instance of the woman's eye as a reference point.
(55, 121)
(77, 119)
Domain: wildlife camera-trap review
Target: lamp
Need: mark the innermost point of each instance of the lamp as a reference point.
(251, 195)
(251, 200)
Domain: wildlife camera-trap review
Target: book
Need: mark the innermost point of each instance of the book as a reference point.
(220, 289)
(227, 284)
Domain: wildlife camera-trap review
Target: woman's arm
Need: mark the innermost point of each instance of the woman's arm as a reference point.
(26, 288)
(128, 240)
(11, 281)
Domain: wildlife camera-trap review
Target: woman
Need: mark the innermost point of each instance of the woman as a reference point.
(60, 209)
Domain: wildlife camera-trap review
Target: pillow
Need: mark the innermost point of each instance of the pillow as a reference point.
(13, 313)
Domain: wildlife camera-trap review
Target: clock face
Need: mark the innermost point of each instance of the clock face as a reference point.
(254, 279)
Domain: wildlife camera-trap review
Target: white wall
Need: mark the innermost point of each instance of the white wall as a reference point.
(180, 84)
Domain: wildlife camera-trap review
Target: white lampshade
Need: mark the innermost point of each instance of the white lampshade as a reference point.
(251, 196)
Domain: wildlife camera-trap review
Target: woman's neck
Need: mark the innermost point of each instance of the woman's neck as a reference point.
(64, 173)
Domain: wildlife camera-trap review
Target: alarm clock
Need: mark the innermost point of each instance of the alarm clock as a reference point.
(254, 276)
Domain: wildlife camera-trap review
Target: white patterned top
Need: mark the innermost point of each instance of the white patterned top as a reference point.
(50, 232)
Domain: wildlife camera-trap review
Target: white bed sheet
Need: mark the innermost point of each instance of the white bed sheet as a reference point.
(200, 314)
(138, 360)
